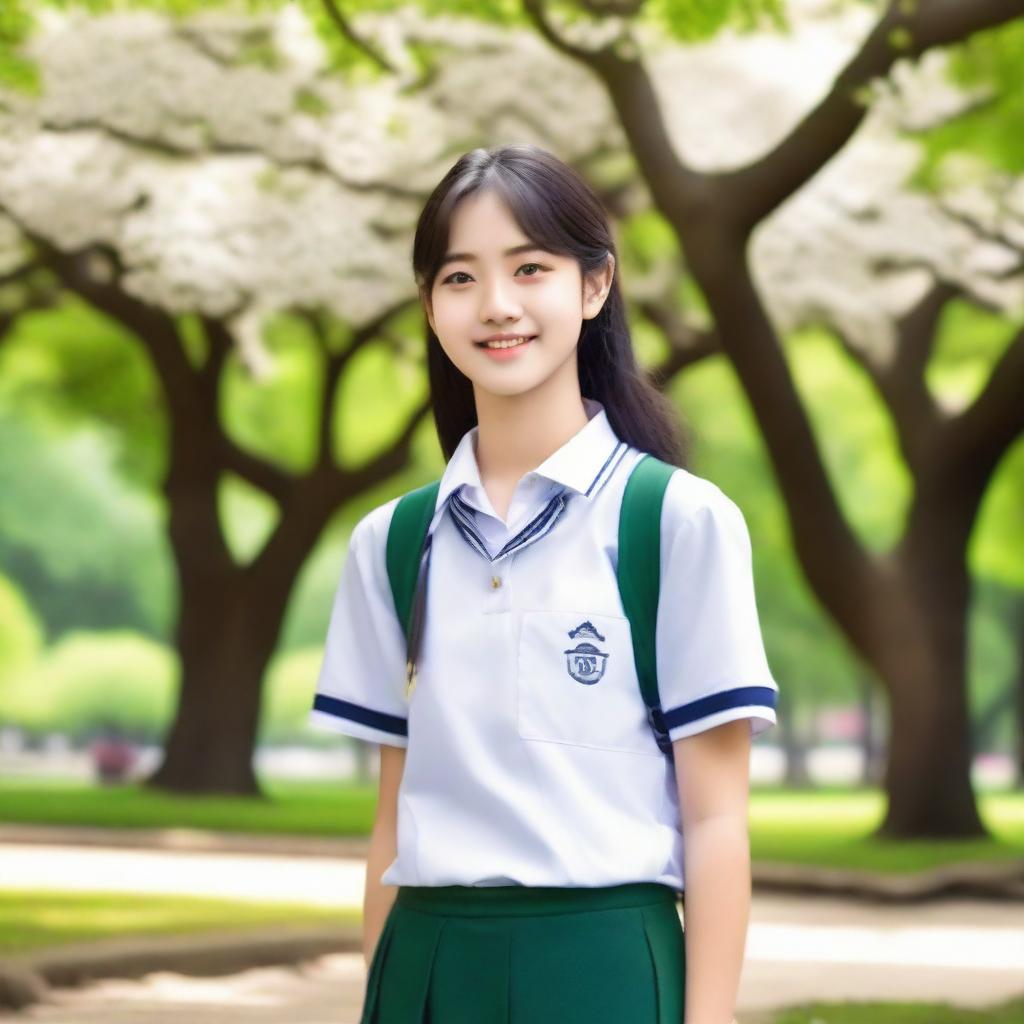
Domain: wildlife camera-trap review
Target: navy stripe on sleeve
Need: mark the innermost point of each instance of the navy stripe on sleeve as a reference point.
(742, 696)
(365, 716)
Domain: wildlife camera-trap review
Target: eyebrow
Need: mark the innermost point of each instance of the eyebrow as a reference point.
(452, 257)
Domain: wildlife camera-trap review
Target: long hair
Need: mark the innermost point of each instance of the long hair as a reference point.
(558, 211)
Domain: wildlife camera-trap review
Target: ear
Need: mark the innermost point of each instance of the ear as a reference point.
(596, 286)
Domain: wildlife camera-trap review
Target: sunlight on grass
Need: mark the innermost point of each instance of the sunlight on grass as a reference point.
(30, 920)
(833, 829)
(1011, 1012)
(334, 808)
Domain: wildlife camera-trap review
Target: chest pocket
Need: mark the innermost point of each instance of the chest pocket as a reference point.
(576, 683)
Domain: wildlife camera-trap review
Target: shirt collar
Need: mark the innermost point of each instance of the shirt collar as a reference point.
(578, 464)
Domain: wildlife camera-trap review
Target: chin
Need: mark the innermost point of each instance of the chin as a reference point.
(509, 388)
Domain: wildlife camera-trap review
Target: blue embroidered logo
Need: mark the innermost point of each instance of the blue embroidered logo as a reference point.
(584, 662)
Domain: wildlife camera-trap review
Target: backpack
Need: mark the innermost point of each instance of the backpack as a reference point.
(638, 573)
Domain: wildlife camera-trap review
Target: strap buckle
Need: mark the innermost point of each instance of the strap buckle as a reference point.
(656, 720)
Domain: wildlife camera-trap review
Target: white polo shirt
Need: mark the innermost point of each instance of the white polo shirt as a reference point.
(520, 768)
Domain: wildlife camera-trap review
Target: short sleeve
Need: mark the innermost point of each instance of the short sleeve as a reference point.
(711, 660)
(360, 687)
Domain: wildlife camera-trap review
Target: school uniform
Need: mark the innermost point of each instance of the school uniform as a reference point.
(539, 844)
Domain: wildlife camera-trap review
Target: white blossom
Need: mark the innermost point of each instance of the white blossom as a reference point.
(234, 176)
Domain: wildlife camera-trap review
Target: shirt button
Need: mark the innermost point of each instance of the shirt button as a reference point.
(495, 582)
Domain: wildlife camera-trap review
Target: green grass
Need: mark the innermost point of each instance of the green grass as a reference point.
(32, 920)
(1011, 1012)
(315, 809)
(829, 828)
(832, 828)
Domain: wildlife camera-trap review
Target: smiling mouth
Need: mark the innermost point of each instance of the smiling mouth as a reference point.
(509, 343)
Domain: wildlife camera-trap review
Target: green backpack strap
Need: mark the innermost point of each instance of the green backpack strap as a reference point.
(638, 572)
(639, 578)
(407, 567)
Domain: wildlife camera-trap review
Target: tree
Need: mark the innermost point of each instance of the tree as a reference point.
(261, 194)
(903, 610)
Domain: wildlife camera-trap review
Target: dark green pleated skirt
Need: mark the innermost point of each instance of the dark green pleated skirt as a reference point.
(515, 954)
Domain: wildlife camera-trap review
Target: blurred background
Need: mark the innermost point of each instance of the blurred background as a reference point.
(212, 365)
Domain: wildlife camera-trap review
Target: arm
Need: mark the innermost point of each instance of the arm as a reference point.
(378, 898)
(713, 775)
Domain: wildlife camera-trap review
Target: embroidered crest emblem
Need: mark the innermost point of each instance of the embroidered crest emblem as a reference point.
(585, 662)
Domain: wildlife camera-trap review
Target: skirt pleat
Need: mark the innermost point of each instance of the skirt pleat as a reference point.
(667, 947)
(468, 959)
(373, 974)
(470, 983)
(407, 965)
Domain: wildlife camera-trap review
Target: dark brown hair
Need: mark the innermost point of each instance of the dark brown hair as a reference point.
(558, 211)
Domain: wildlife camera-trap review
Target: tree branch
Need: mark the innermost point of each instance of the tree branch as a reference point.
(996, 235)
(257, 471)
(981, 434)
(612, 8)
(538, 13)
(20, 273)
(335, 363)
(94, 274)
(917, 331)
(38, 297)
(687, 344)
(907, 29)
(345, 27)
(385, 465)
(677, 190)
(163, 146)
(254, 470)
(900, 382)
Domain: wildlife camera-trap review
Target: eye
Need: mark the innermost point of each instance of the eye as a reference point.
(449, 278)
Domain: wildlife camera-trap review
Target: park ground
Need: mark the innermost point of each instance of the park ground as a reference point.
(937, 962)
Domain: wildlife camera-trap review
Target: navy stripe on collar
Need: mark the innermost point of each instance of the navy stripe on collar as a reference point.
(464, 514)
(612, 461)
(541, 524)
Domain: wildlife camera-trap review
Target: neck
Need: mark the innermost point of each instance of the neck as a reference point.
(518, 432)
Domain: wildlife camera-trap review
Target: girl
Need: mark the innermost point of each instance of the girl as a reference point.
(529, 843)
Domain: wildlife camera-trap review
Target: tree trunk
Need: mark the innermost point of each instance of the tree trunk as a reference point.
(878, 739)
(867, 736)
(922, 658)
(793, 745)
(903, 612)
(928, 772)
(229, 623)
(209, 748)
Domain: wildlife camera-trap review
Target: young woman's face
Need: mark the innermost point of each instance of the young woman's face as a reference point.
(484, 290)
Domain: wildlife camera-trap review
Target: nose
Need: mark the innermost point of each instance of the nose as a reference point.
(498, 303)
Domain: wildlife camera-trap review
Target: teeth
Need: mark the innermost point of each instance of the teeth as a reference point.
(509, 343)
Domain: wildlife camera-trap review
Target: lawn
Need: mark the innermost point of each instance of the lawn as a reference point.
(820, 827)
(315, 809)
(32, 920)
(1011, 1012)
(832, 828)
